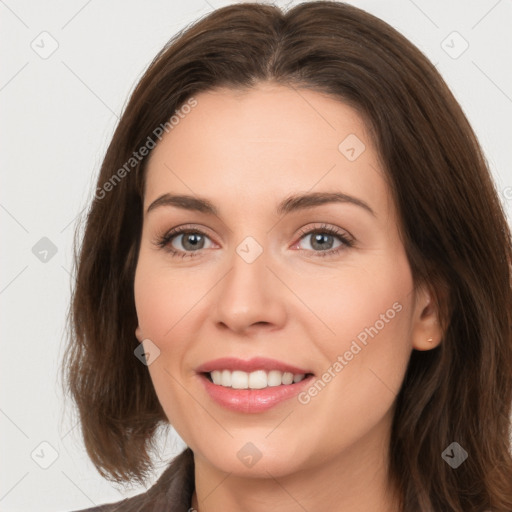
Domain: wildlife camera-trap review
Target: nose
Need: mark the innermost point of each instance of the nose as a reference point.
(250, 296)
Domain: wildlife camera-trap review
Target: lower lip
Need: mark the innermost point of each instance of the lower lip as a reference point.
(253, 400)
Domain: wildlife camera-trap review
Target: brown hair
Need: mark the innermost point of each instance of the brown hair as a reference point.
(452, 223)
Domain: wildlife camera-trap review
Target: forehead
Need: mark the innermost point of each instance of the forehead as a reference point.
(250, 146)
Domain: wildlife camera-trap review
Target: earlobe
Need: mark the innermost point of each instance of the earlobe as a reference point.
(426, 329)
(138, 334)
(426, 344)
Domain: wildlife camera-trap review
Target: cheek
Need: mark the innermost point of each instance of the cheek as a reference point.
(356, 298)
(162, 298)
(366, 356)
(368, 313)
(151, 297)
(161, 301)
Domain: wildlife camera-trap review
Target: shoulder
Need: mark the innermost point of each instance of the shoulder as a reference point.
(171, 493)
(127, 505)
(104, 508)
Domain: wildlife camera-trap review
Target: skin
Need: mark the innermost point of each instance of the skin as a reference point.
(245, 152)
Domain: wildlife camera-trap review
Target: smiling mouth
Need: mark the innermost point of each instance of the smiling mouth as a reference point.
(259, 379)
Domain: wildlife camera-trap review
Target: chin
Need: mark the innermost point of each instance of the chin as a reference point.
(256, 459)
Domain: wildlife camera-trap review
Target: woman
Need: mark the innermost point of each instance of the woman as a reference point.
(374, 373)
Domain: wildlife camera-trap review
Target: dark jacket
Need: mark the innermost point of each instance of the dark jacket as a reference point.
(172, 492)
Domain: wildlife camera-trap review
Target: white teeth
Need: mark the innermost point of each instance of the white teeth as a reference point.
(239, 380)
(226, 378)
(258, 379)
(216, 376)
(274, 378)
(287, 378)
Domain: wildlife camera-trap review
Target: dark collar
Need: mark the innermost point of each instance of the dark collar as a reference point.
(176, 484)
(172, 492)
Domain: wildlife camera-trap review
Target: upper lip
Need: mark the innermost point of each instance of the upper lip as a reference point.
(256, 363)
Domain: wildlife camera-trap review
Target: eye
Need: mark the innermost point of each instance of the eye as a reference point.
(322, 240)
(191, 240)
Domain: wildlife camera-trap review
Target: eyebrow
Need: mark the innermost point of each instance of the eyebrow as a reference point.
(290, 204)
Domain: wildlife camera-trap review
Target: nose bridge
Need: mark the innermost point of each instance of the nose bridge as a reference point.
(248, 294)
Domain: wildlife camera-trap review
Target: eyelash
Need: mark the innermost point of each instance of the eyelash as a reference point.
(164, 241)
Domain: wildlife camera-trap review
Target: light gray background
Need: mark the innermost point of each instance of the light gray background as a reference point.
(58, 114)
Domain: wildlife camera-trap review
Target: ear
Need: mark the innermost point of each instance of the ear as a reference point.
(138, 334)
(427, 332)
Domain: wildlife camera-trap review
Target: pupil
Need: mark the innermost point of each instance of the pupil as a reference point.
(318, 238)
(192, 239)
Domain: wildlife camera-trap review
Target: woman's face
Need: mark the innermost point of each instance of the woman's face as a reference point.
(320, 287)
